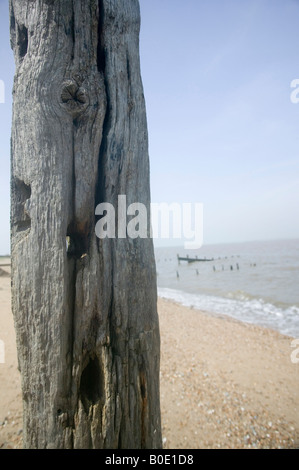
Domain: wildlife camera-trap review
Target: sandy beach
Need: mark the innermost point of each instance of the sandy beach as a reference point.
(224, 384)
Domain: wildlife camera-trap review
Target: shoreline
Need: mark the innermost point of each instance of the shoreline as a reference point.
(224, 383)
(224, 316)
(191, 301)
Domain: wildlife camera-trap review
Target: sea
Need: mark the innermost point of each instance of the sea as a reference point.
(254, 282)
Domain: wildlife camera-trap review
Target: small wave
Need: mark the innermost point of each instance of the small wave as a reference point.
(249, 310)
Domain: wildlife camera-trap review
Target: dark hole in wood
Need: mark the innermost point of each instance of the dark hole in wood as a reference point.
(24, 225)
(59, 412)
(91, 384)
(21, 193)
(22, 40)
(22, 189)
(101, 62)
(12, 18)
(142, 390)
(76, 244)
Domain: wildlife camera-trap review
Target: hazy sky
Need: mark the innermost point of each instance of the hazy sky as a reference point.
(222, 128)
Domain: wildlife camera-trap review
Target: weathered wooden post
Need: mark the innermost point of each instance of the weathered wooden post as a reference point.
(85, 316)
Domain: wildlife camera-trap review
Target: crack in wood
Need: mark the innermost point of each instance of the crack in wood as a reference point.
(143, 393)
(101, 60)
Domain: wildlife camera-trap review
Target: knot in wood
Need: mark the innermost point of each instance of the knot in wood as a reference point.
(74, 97)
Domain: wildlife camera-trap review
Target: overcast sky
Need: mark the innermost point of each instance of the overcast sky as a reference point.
(222, 128)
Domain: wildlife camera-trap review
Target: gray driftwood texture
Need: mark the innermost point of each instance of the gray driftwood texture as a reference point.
(85, 317)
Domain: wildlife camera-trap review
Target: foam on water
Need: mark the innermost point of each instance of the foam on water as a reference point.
(255, 311)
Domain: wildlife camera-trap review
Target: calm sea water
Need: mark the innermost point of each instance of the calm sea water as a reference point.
(255, 282)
